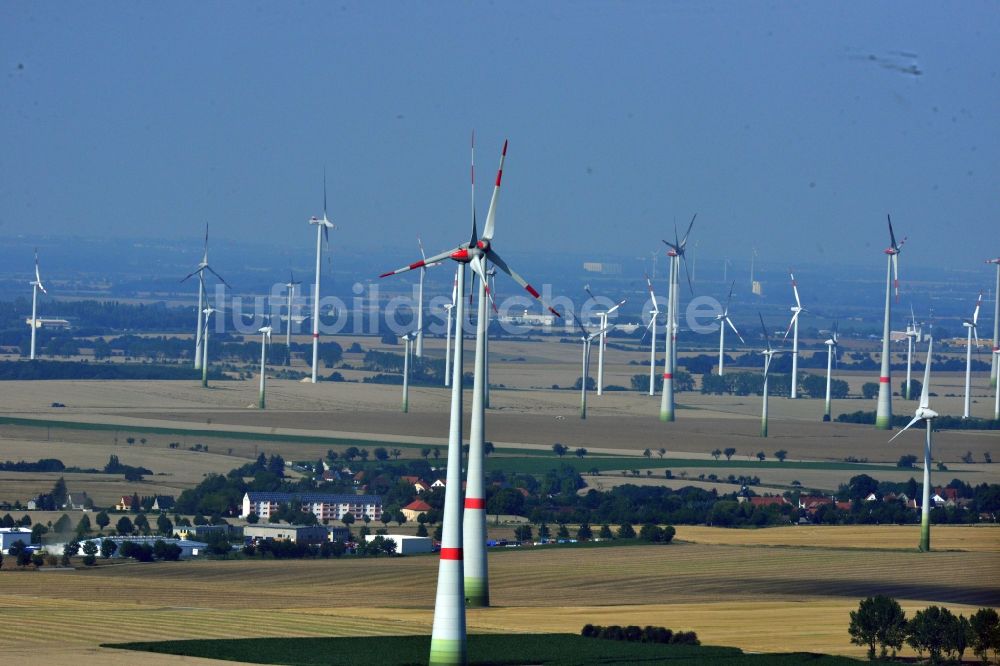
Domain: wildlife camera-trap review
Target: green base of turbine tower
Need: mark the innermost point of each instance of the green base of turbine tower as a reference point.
(883, 422)
(666, 416)
(477, 593)
(447, 652)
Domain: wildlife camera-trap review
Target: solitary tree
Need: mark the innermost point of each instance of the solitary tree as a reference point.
(89, 553)
(102, 520)
(396, 453)
(647, 453)
(880, 621)
(716, 453)
(381, 454)
(985, 633)
(929, 631)
(781, 454)
(108, 548)
(581, 452)
(425, 452)
(730, 452)
(559, 449)
(761, 456)
(661, 452)
(626, 531)
(124, 525)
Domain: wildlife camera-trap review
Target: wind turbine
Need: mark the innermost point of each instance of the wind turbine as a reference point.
(831, 354)
(476, 252)
(995, 367)
(883, 415)
(36, 285)
(603, 317)
(797, 309)
(290, 286)
(448, 309)
(265, 340)
(208, 312)
(970, 324)
(200, 272)
(926, 414)
(587, 338)
(768, 354)
(408, 350)
(651, 328)
(724, 319)
(911, 336)
(323, 226)
(676, 253)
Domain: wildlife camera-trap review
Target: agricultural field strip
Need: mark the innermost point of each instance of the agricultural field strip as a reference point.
(507, 458)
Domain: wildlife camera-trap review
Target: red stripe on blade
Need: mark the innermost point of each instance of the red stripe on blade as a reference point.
(474, 503)
(531, 290)
(451, 553)
(315, 335)
(883, 380)
(387, 274)
(499, 176)
(417, 264)
(505, 146)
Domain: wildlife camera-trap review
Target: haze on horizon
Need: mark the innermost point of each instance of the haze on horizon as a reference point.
(792, 128)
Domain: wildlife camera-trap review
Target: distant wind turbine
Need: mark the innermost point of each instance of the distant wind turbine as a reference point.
(911, 336)
(797, 310)
(323, 226)
(970, 324)
(36, 286)
(831, 355)
(602, 343)
(407, 352)
(449, 308)
(883, 415)
(651, 329)
(676, 254)
(995, 360)
(587, 338)
(265, 340)
(202, 294)
(724, 319)
(208, 312)
(926, 414)
(290, 286)
(768, 353)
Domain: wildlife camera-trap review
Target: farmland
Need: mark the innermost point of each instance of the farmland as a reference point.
(731, 593)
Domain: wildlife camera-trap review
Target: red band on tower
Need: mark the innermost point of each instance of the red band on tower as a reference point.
(451, 553)
(475, 503)
(883, 380)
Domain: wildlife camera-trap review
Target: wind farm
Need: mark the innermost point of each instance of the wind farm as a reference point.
(428, 467)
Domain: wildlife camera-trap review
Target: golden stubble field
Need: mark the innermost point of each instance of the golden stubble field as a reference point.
(722, 583)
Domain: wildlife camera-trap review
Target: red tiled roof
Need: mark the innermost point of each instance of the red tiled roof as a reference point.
(767, 501)
(418, 505)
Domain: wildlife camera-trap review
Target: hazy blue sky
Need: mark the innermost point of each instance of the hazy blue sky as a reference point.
(794, 127)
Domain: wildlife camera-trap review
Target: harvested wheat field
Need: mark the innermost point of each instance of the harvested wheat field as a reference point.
(730, 594)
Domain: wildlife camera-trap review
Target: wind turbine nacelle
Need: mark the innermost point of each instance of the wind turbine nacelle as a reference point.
(37, 323)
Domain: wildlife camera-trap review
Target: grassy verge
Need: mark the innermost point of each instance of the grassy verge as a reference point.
(548, 649)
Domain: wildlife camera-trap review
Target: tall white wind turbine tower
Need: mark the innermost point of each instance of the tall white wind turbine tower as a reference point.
(793, 325)
(970, 325)
(768, 353)
(36, 286)
(290, 287)
(883, 415)
(407, 352)
(603, 325)
(911, 335)
(208, 312)
(676, 254)
(724, 319)
(265, 340)
(995, 361)
(202, 295)
(651, 329)
(831, 356)
(926, 414)
(323, 226)
(476, 251)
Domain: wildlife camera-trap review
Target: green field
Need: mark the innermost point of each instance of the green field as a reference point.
(483, 649)
(541, 465)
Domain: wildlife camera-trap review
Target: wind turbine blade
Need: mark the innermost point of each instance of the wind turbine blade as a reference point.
(472, 172)
(212, 270)
(422, 262)
(795, 289)
(586, 288)
(915, 419)
(892, 236)
(925, 389)
(190, 275)
(585, 333)
(652, 296)
(767, 365)
(422, 254)
(324, 194)
(594, 336)
(767, 337)
(688, 232)
(732, 326)
(729, 299)
(502, 265)
(617, 305)
(687, 269)
(975, 313)
(790, 324)
(491, 214)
